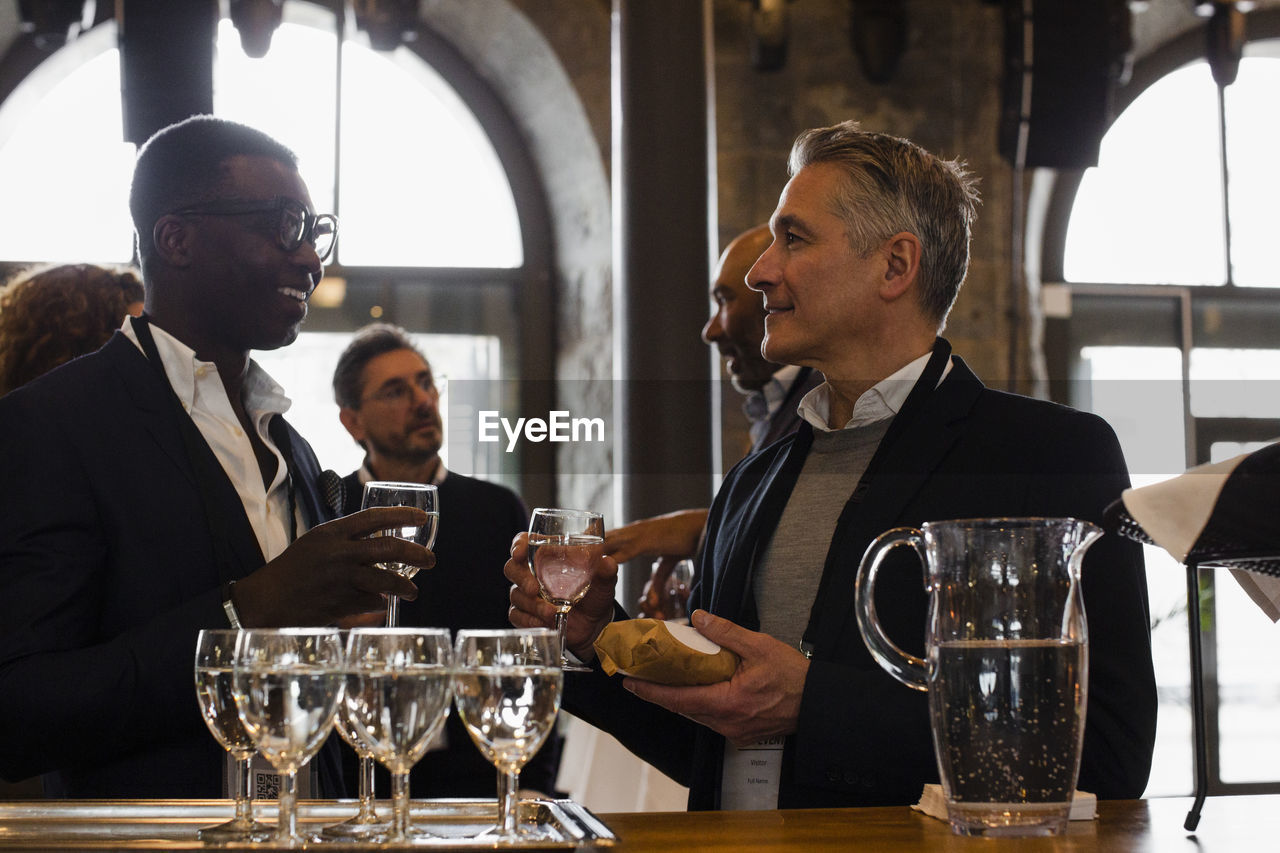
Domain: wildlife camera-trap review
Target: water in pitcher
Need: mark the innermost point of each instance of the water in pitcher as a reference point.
(1012, 715)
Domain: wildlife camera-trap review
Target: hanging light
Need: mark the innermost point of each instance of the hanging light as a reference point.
(878, 29)
(256, 21)
(389, 23)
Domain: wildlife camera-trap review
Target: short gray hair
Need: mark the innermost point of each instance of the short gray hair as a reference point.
(894, 185)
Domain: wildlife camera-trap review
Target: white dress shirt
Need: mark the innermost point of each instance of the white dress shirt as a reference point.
(880, 401)
(200, 390)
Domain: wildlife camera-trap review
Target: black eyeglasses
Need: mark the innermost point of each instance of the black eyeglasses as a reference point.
(295, 224)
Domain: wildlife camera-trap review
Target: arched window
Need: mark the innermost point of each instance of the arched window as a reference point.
(1163, 308)
(434, 234)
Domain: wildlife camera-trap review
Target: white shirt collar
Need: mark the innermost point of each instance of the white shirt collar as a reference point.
(262, 396)
(762, 403)
(880, 401)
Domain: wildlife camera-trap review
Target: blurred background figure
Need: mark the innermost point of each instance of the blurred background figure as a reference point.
(772, 395)
(52, 314)
(389, 402)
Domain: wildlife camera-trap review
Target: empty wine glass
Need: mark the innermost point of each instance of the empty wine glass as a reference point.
(397, 691)
(507, 686)
(365, 824)
(564, 546)
(215, 654)
(424, 497)
(287, 684)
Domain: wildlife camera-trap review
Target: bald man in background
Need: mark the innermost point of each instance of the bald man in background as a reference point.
(773, 392)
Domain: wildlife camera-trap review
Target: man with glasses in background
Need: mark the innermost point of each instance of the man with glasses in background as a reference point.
(389, 402)
(153, 488)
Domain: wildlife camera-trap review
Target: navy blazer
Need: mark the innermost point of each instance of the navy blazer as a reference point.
(108, 570)
(862, 738)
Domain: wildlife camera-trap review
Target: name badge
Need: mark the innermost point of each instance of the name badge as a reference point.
(752, 775)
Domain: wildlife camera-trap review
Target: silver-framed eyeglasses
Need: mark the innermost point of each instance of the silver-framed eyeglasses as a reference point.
(294, 225)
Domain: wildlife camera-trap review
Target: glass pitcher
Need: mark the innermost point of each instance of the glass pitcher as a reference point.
(1007, 664)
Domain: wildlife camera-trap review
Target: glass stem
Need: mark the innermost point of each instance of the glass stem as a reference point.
(287, 829)
(508, 816)
(400, 806)
(393, 611)
(562, 619)
(244, 801)
(366, 813)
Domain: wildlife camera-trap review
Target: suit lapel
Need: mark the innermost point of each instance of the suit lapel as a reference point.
(733, 599)
(235, 545)
(150, 400)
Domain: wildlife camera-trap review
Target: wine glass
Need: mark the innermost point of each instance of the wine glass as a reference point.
(397, 691)
(365, 824)
(678, 585)
(564, 546)
(424, 497)
(507, 686)
(287, 684)
(215, 654)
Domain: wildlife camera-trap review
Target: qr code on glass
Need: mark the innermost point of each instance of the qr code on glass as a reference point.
(266, 786)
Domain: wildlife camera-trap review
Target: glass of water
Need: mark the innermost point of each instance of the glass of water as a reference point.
(425, 497)
(215, 654)
(507, 686)
(287, 684)
(397, 694)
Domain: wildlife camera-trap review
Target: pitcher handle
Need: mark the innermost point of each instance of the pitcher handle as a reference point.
(908, 669)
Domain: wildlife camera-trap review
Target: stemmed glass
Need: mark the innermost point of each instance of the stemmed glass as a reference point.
(215, 654)
(287, 684)
(397, 692)
(507, 687)
(424, 497)
(564, 545)
(365, 824)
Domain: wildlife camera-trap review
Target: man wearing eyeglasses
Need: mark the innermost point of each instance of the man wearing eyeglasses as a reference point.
(389, 402)
(153, 488)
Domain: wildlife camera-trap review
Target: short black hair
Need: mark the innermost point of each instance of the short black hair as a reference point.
(370, 342)
(185, 163)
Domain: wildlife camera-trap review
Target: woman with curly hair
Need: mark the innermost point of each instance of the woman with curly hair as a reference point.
(51, 314)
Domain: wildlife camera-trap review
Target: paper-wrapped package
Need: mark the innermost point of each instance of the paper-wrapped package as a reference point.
(665, 652)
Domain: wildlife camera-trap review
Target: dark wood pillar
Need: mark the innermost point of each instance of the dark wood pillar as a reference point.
(664, 203)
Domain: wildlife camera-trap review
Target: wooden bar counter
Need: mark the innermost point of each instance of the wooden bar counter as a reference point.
(1228, 825)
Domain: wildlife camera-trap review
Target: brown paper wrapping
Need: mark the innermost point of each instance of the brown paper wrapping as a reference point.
(646, 649)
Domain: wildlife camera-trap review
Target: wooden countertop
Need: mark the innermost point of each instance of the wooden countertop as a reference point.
(1227, 825)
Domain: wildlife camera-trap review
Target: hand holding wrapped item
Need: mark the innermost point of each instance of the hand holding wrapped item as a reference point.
(663, 652)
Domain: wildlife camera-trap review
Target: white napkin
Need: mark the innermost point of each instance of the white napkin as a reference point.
(1174, 512)
(1084, 806)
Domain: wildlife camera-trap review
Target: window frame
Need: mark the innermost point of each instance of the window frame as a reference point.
(512, 303)
(1053, 197)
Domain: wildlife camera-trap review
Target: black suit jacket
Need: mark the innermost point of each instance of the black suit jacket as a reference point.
(862, 738)
(108, 570)
(465, 589)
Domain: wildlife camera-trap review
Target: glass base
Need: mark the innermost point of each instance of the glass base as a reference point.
(573, 667)
(237, 830)
(1008, 820)
(364, 829)
(524, 834)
